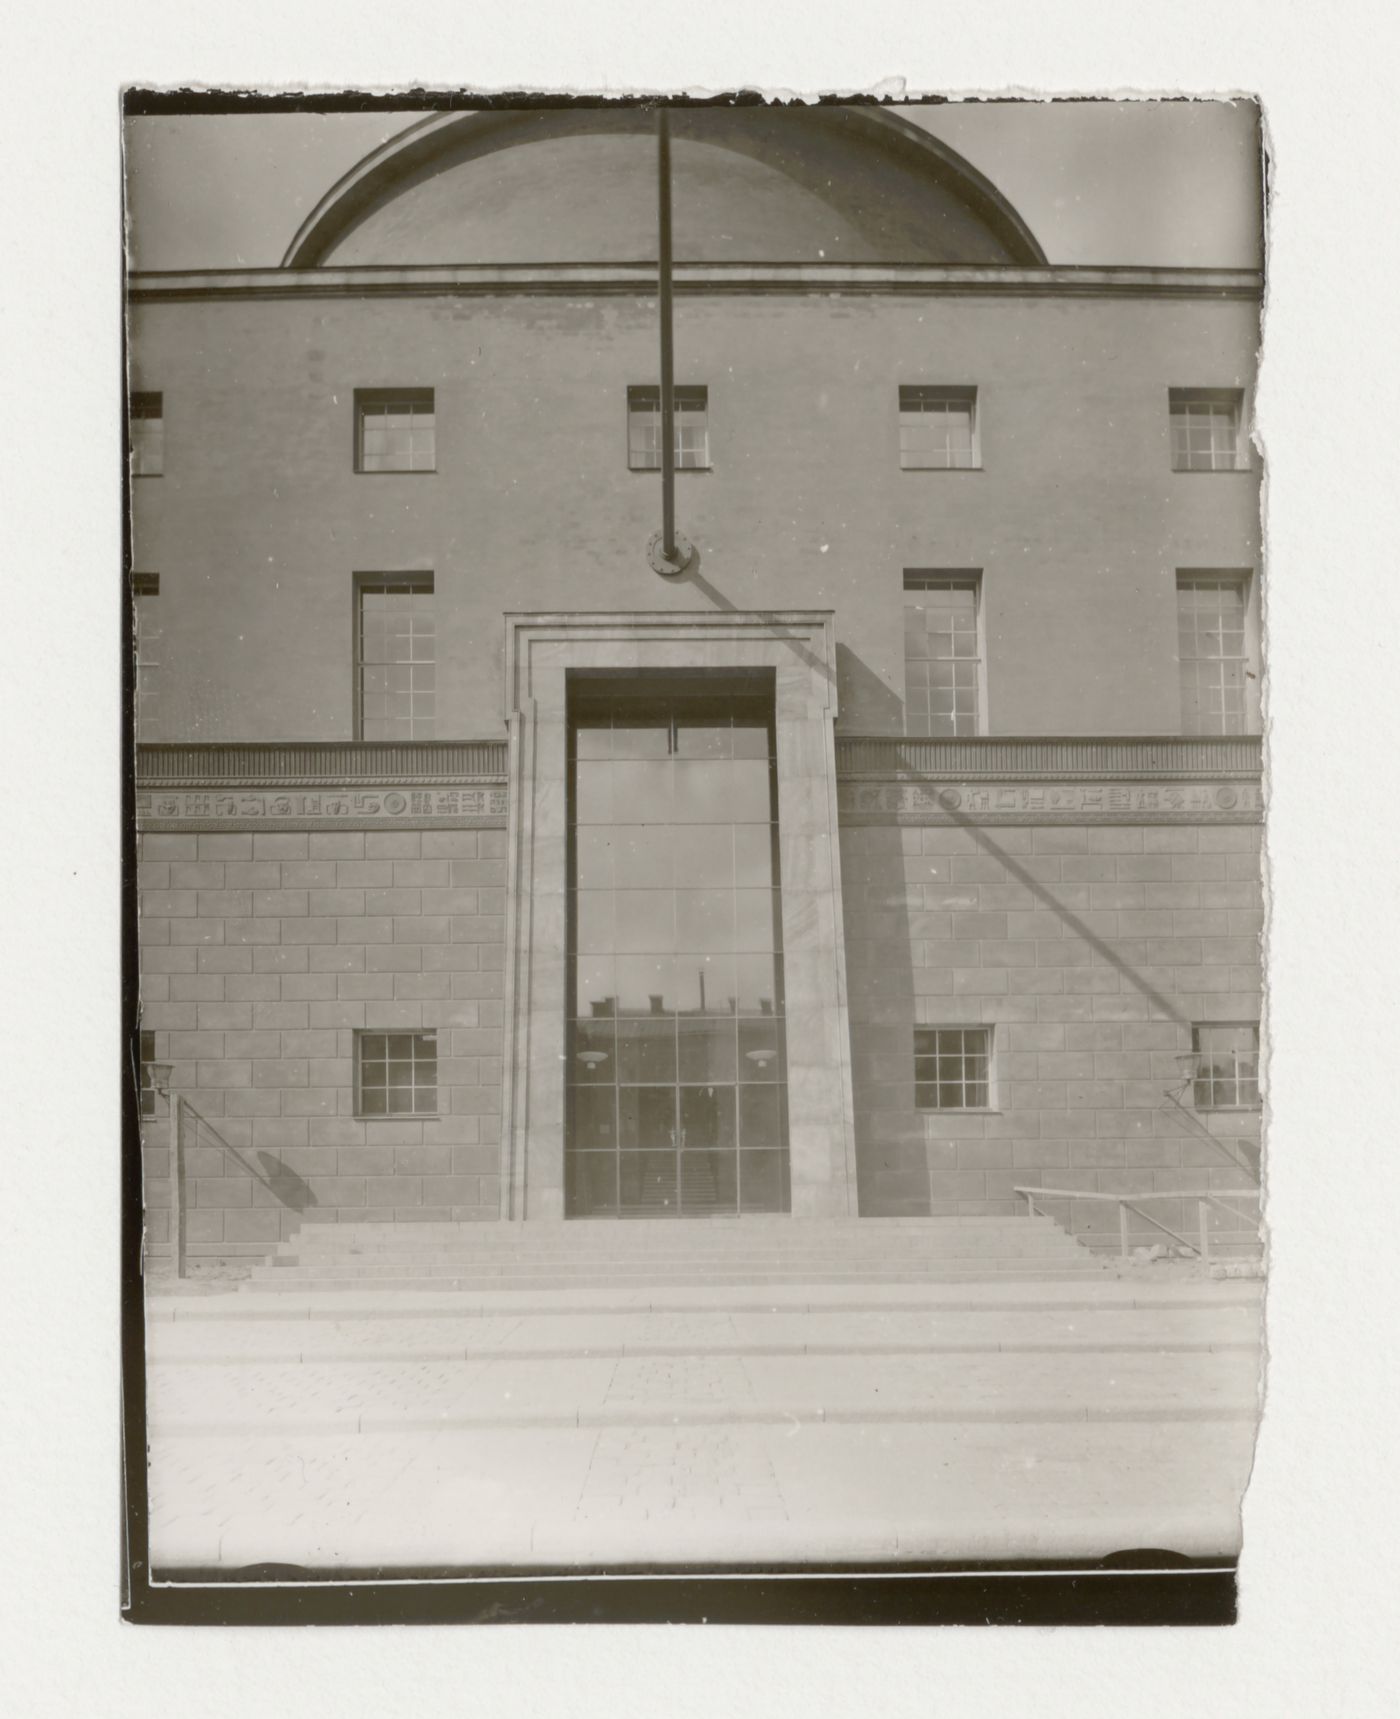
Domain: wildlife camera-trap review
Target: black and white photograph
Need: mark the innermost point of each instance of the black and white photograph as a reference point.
(696, 685)
(701, 921)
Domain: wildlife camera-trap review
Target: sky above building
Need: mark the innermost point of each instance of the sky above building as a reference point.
(1165, 183)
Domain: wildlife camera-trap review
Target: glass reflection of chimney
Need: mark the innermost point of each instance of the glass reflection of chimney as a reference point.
(657, 1004)
(765, 1005)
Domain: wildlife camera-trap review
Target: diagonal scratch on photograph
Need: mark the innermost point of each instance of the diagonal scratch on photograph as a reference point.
(695, 695)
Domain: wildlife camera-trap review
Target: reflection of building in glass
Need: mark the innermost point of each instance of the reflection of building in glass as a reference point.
(901, 853)
(677, 1098)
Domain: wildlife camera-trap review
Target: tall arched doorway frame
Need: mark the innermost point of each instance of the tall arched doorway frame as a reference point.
(541, 653)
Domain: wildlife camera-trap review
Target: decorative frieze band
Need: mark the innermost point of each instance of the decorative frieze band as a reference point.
(462, 784)
(315, 785)
(1050, 802)
(263, 808)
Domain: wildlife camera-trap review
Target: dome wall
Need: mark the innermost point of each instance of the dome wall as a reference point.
(749, 185)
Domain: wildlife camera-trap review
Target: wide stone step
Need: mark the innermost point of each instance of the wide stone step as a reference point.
(443, 1253)
(374, 1257)
(413, 1395)
(329, 1281)
(622, 1240)
(371, 1333)
(625, 1272)
(644, 1272)
(670, 1234)
(779, 1223)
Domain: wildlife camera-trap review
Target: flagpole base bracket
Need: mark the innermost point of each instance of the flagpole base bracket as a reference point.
(673, 565)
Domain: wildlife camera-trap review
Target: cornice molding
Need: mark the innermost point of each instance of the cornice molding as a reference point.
(320, 764)
(873, 757)
(900, 758)
(917, 279)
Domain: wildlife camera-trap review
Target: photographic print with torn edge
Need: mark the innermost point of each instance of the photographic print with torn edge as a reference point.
(696, 799)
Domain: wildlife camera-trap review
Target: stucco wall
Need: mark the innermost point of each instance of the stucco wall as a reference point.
(1077, 520)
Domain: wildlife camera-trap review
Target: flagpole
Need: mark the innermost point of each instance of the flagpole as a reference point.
(668, 379)
(668, 551)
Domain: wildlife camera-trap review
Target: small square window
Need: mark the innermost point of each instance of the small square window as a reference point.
(146, 422)
(952, 1068)
(691, 439)
(1206, 425)
(1226, 1065)
(396, 1074)
(395, 430)
(938, 428)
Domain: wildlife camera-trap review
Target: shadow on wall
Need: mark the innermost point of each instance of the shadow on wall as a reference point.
(693, 576)
(292, 1190)
(283, 1183)
(917, 913)
(927, 943)
(869, 704)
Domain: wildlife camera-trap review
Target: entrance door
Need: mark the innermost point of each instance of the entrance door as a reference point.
(677, 1073)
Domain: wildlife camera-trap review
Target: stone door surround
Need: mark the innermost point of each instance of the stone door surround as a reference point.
(798, 646)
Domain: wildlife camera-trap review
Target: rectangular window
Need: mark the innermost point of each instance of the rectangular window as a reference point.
(1227, 1065)
(1206, 429)
(938, 428)
(395, 667)
(692, 431)
(145, 589)
(676, 1065)
(147, 435)
(1213, 649)
(942, 653)
(395, 430)
(148, 1083)
(397, 1074)
(952, 1068)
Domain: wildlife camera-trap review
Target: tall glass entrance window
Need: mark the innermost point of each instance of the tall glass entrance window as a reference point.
(677, 1070)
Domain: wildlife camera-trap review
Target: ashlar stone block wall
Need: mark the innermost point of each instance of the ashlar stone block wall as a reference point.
(1090, 951)
(260, 956)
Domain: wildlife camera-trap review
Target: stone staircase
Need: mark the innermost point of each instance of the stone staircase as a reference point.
(638, 1253)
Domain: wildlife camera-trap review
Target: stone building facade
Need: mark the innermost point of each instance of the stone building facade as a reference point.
(962, 688)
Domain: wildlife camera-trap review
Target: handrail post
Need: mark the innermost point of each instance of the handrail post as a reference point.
(1123, 1228)
(1203, 1219)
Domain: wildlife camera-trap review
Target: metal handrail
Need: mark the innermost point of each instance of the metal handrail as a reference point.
(178, 1106)
(1204, 1198)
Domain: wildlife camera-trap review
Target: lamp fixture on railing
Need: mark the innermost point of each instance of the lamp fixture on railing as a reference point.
(1189, 1062)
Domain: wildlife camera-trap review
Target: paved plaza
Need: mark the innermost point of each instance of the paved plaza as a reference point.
(374, 1429)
